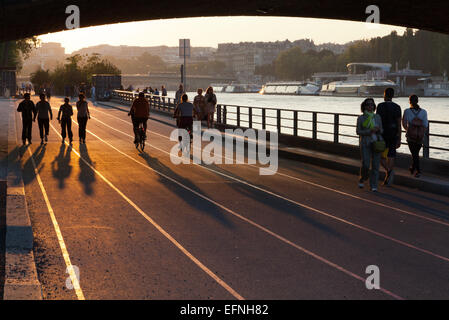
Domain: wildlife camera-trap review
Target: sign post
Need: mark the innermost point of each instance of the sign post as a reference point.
(184, 52)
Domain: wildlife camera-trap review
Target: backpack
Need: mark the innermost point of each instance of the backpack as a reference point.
(416, 129)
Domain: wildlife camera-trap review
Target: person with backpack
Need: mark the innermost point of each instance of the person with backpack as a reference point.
(369, 128)
(415, 123)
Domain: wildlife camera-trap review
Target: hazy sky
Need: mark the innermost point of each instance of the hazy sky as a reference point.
(213, 30)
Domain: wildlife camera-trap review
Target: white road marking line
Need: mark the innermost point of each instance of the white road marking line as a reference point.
(277, 236)
(157, 226)
(316, 184)
(65, 253)
(379, 234)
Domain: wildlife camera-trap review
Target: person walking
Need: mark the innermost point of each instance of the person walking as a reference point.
(164, 93)
(391, 115)
(65, 119)
(179, 94)
(200, 104)
(43, 110)
(83, 116)
(28, 110)
(185, 111)
(211, 103)
(92, 94)
(369, 128)
(48, 92)
(415, 123)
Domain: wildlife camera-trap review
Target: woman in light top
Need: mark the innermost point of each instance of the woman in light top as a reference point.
(83, 116)
(369, 128)
(211, 103)
(415, 123)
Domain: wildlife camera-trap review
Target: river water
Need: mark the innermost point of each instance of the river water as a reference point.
(437, 109)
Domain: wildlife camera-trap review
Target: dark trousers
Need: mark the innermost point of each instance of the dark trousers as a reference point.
(82, 124)
(44, 125)
(369, 159)
(415, 148)
(66, 125)
(136, 123)
(27, 125)
(186, 123)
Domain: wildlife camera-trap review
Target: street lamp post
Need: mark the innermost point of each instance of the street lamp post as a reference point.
(184, 51)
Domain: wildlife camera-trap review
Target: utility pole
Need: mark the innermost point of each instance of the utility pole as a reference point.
(184, 51)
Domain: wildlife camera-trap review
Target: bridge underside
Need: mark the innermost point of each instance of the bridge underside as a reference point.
(23, 18)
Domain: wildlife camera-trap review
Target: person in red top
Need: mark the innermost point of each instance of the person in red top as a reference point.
(140, 112)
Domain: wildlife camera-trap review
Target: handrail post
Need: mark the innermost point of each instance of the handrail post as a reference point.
(224, 115)
(278, 118)
(336, 128)
(264, 119)
(250, 118)
(315, 126)
(426, 147)
(238, 116)
(219, 114)
(295, 123)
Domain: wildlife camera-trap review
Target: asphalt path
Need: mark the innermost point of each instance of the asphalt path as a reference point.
(136, 226)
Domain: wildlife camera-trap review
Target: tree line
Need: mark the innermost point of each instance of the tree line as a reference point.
(76, 70)
(424, 50)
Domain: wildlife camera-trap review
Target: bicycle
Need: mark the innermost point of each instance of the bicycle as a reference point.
(142, 138)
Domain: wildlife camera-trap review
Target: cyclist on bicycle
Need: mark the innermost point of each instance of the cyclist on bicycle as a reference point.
(140, 112)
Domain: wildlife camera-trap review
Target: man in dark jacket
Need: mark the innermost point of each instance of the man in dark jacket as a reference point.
(140, 112)
(28, 110)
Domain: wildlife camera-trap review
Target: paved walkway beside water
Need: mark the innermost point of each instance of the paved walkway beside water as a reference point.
(136, 226)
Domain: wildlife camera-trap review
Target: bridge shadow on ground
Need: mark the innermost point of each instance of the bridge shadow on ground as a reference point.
(192, 200)
(278, 204)
(87, 175)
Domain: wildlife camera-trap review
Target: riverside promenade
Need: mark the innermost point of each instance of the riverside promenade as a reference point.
(109, 222)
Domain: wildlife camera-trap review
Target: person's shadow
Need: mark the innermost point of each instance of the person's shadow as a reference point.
(61, 167)
(87, 175)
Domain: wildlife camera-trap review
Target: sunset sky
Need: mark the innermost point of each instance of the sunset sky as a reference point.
(213, 30)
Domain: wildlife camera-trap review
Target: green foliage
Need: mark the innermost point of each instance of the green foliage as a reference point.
(424, 50)
(210, 67)
(12, 52)
(144, 64)
(76, 70)
(40, 78)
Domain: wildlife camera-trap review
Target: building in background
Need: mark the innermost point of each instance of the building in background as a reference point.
(47, 56)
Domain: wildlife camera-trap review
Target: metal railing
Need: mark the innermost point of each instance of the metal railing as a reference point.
(336, 127)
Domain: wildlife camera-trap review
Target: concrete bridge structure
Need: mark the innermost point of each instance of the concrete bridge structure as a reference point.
(24, 18)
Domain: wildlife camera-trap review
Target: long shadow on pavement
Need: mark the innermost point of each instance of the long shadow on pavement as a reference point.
(38, 156)
(87, 175)
(60, 167)
(419, 206)
(192, 200)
